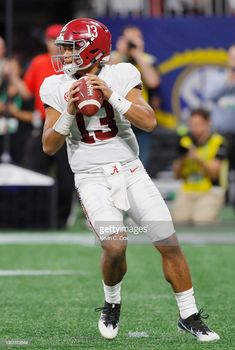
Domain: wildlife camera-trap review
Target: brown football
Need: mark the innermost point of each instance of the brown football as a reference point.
(90, 99)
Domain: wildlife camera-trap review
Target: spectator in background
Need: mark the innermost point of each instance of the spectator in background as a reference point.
(121, 8)
(223, 114)
(231, 4)
(15, 115)
(200, 165)
(40, 68)
(187, 7)
(223, 109)
(130, 48)
(2, 58)
(4, 156)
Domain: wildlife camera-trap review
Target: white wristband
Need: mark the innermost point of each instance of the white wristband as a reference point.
(63, 124)
(121, 104)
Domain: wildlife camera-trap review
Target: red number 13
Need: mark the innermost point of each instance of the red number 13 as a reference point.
(99, 134)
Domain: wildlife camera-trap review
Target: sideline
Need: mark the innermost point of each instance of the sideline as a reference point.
(88, 239)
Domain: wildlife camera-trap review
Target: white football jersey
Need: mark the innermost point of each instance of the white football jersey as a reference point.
(106, 137)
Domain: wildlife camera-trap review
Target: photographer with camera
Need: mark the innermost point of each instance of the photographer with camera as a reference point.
(130, 48)
(201, 165)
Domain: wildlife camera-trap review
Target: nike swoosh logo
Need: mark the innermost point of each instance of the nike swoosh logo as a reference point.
(133, 170)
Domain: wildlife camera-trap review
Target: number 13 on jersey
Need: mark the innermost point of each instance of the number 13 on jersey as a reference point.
(100, 135)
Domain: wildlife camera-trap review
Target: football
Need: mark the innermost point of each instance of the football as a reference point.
(90, 99)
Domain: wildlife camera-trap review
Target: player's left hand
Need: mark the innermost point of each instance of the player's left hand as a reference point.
(100, 84)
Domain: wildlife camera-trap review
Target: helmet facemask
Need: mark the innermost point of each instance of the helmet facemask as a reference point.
(77, 63)
(89, 42)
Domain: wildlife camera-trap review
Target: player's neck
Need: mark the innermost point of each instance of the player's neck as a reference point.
(92, 70)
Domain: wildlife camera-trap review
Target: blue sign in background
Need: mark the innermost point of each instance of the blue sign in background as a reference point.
(165, 36)
(205, 39)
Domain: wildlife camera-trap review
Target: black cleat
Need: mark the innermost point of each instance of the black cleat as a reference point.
(109, 320)
(195, 325)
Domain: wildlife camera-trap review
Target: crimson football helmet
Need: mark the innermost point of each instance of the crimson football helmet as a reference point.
(90, 41)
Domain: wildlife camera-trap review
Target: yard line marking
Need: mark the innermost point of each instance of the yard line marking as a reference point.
(14, 342)
(38, 272)
(138, 334)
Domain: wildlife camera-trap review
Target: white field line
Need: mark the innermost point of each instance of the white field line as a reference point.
(45, 238)
(143, 334)
(14, 342)
(88, 239)
(37, 272)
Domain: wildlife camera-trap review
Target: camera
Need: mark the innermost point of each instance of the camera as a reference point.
(131, 45)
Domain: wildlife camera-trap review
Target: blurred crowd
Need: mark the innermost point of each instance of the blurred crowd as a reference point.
(22, 118)
(204, 159)
(136, 8)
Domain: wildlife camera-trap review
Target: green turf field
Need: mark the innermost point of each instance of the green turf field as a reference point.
(57, 312)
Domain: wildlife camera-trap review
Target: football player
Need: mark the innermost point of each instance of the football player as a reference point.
(109, 177)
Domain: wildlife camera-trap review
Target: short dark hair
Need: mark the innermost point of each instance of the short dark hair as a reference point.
(129, 26)
(204, 113)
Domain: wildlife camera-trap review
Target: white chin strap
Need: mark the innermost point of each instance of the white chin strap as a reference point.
(70, 69)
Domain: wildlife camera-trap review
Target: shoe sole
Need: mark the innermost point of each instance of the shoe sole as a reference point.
(185, 331)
